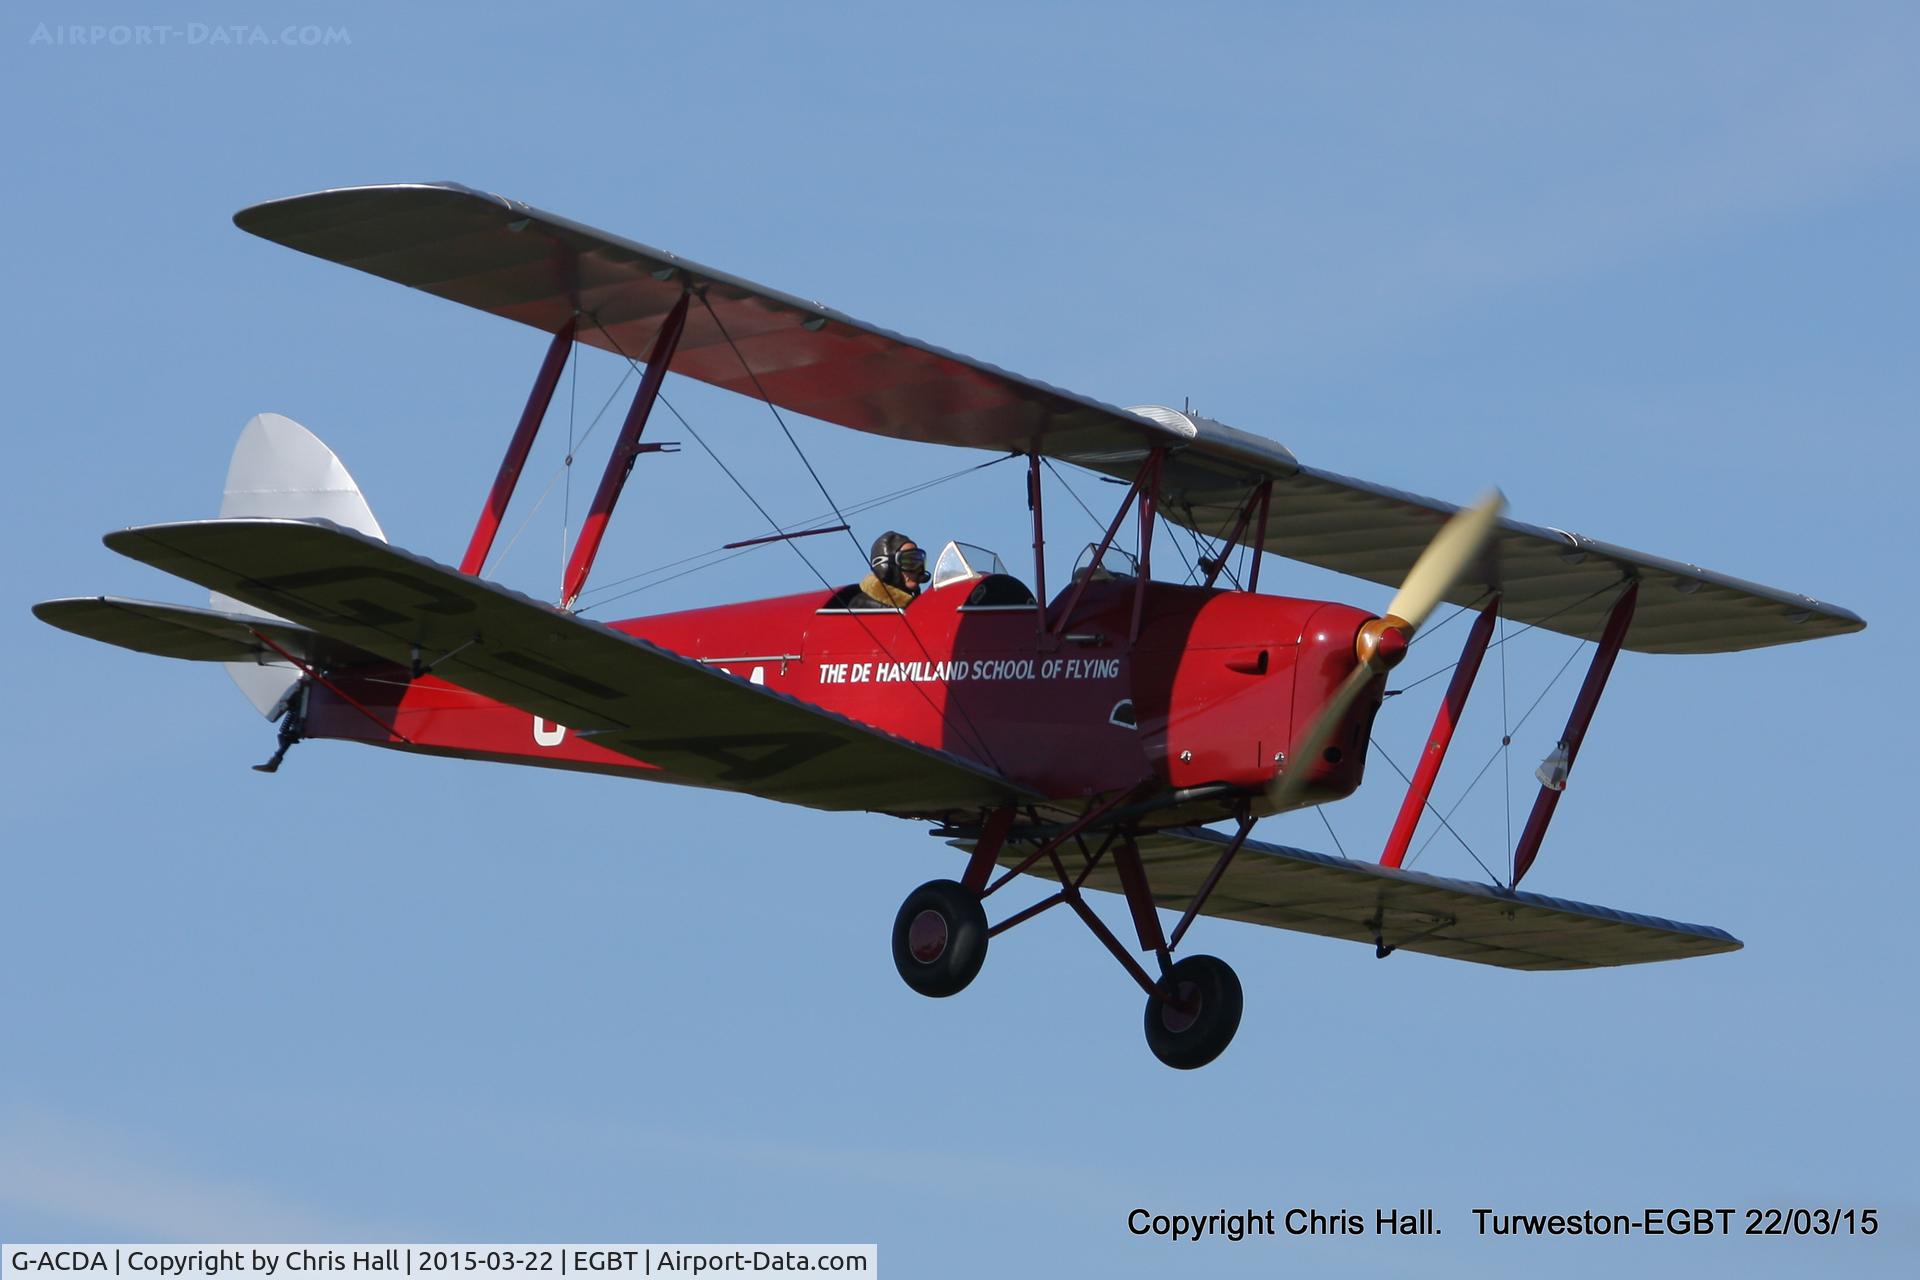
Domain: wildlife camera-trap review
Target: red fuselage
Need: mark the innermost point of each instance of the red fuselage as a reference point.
(1212, 694)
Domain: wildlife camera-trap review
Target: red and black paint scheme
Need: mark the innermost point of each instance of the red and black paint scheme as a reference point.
(1085, 738)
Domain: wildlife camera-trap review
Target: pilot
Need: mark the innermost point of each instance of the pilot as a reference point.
(899, 569)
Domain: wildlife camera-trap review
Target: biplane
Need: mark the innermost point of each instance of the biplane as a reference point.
(1095, 738)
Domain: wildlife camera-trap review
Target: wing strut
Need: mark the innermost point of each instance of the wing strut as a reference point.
(1582, 715)
(1039, 543)
(1257, 500)
(1143, 482)
(625, 450)
(1260, 538)
(1420, 786)
(1149, 494)
(509, 476)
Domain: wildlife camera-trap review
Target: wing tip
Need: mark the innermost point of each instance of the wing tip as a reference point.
(267, 218)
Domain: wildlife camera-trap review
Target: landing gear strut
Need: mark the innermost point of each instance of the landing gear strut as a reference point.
(940, 938)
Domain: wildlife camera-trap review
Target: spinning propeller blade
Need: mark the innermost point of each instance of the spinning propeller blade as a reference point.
(1450, 554)
(1383, 642)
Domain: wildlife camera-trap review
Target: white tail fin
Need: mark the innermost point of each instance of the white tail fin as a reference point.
(281, 469)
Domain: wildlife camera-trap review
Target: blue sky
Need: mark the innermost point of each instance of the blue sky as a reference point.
(1651, 269)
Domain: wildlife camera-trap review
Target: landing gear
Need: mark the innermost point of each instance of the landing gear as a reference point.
(940, 939)
(292, 715)
(940, 935)
(1192, 1018)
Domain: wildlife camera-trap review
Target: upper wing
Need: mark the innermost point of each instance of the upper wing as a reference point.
(1551, 578)
(519, 262)
(703, 726)
(1406, 910)
(516, 261)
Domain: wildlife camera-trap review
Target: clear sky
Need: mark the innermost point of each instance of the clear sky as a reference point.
(1651, 269)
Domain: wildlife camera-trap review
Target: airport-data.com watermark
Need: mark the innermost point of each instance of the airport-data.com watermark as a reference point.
(188, 35)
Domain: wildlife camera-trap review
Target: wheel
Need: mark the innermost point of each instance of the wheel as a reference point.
(940, 938)
(1196, 1024)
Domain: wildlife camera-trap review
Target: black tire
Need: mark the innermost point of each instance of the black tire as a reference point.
(1197, 1023)
(940, 938)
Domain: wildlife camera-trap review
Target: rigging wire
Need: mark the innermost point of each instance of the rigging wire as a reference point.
(1193, 573)
(1443, 817)
(1226, 551)
(979, 741)
(1074, 495)
(913, 632)
(546, 492)
(1531, 626)
(858, 508)
(1326, 822)
(1424, 632)
(777, 417)
(1518, 725)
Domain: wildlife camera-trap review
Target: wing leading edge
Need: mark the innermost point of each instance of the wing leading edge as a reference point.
(704, 727)
(516, 261)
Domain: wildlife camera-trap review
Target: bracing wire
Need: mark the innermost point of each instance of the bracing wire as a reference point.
(1328, 824)
(1097, 523)
(1518, 725)
(1436, 813)
(912, 632)
(774, 409)
(1193, 571)
(1531, 626)
(858, 508)
(1225, 552)
(978, 739)
(563, 469)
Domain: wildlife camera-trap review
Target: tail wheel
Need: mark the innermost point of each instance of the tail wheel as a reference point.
(1192, 1018)
(940, 938)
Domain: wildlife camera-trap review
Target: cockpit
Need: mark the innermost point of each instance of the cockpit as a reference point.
(1115, 564)
(990, 586)
(993, 587)
(960, 561)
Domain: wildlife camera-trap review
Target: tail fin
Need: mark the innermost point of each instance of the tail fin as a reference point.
(280, 469)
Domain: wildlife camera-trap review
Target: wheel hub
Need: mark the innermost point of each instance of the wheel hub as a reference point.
(927, 936)
(1183, 1010)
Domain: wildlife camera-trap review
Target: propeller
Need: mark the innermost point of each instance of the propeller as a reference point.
(1383, 641)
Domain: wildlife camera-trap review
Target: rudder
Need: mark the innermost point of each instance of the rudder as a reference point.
(282, 470)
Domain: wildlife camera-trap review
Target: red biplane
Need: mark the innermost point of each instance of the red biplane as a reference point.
(1088, 738)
